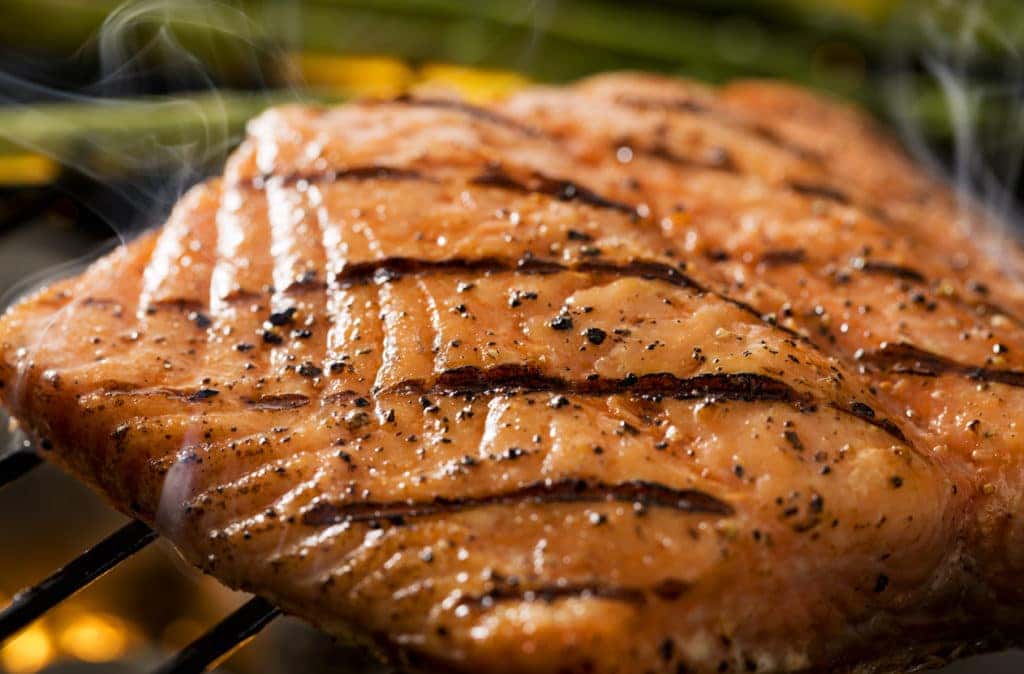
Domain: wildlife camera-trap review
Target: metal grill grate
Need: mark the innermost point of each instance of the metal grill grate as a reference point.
(213, 646)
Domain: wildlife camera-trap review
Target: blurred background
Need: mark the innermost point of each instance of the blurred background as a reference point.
(110, 110)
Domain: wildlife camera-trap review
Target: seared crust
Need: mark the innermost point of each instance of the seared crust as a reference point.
(631, 376)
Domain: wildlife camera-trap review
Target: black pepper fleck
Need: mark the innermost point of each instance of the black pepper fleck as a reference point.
(200, 319)
(283, 317)
(558, 401)
(561, 322)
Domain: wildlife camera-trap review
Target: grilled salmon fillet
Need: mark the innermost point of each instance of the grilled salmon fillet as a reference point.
(631, 376)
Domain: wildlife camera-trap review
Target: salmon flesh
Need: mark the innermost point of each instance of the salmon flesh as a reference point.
(635, 375)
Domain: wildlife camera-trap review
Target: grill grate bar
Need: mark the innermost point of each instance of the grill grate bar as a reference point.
(216, 644)
(223, 638)
(16, 464)
(31, 603)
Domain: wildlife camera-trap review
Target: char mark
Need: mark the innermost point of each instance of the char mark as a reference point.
(191, 395)
(685, 105)
(646, 270)
(283, 401)
(743, 387)
(747, 387)
(645, 494)
(866, 414)
(783, 257)
(100, 302)
(473, 111)
(778, 258)
(492, 176)
(820, 191)
(353, 173)
(185, 304)
(908, 359)
(720, 160)
(560, 188)
(890, 269)
(391, 269)
(692, 107)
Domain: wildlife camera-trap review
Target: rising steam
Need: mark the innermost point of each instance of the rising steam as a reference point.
(145, 48)
(936, 88)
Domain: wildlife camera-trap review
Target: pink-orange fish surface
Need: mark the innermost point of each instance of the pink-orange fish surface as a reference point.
(635, 375)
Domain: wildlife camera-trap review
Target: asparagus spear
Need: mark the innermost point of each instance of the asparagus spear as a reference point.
(118, 136)
(555, 42)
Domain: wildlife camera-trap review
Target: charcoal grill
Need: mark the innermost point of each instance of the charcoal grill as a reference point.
(205, 651)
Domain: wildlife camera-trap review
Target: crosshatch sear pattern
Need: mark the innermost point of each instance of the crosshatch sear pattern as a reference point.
(631, 376)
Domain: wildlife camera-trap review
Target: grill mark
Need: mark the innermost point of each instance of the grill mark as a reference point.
(891, 269)
(742, 387)
(551, 593)
(191, 395)
(492, 176)
(393, 268)
(747, 387)
(104, 302)
(283, 401)
(688, 105)
(241, 295)
(911, 360)
(821, 191)
(648, 494)
(692, 107)
(341, 397)
(179, 303)
(771, 136)
(390, 269)
(353, 173)
(647, 270)
(670, 589)
(468, 109)
(722, 160)
(783, 257)
(867, 415)
(304, 285)
(560, 188)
